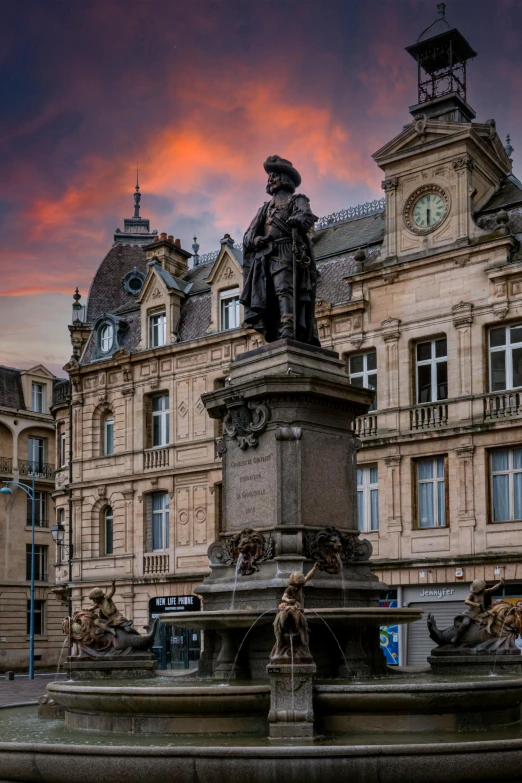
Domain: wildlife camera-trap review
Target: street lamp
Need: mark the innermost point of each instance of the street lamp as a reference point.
(29, 491)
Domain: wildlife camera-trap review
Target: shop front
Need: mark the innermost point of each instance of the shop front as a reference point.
(444, 601)
(175, 648)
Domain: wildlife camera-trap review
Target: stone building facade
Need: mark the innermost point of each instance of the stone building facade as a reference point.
(27, 446)
(420, 293)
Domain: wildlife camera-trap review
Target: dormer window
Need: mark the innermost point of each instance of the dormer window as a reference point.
(229, 309)
(106, 338)
(158, 330)
(108, 331)
(38, 397)
(133, 282)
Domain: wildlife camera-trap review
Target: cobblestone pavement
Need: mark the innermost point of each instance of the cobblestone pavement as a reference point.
(22, 689)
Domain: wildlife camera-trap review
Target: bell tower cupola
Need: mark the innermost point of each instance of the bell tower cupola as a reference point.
(441, 53)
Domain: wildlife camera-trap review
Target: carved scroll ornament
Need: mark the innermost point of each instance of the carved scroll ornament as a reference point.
(245, 421)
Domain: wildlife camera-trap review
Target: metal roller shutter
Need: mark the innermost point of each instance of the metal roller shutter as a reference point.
(419, 643)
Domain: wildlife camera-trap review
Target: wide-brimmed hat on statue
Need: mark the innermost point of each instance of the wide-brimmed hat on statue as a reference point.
(281, 166)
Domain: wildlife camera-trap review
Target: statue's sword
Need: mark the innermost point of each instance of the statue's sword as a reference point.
(294, 277)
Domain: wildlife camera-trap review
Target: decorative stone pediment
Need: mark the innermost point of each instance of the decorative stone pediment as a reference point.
(226, 275)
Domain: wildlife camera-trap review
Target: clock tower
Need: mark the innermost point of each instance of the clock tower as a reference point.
(443, 167)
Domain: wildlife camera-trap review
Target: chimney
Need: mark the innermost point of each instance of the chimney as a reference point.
(169, 253)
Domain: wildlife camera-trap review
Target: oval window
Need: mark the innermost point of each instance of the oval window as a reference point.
(106, 337)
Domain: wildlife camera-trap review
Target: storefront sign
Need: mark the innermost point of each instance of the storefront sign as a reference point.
(430, 593)
(173, 604)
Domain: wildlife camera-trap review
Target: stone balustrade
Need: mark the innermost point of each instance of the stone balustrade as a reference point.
(156, 458)
(155, 563)
(365, 426)
(502, 405)
(429, 416)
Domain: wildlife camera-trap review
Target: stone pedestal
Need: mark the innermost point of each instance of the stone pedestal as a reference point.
(289, 494)
(291, 715)
(466, 662)
(130, 667)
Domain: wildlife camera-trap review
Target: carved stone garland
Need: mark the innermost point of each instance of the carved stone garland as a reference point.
(332, 548)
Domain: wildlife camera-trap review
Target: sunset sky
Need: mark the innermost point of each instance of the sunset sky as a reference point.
(199, 92)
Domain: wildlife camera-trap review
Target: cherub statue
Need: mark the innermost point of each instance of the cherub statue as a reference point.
(290, 625)
(109, 616)
(477, 608)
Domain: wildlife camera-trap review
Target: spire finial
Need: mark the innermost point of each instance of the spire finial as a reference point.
(441, 10)
(508, 148)
(195, 251)
(137, 196)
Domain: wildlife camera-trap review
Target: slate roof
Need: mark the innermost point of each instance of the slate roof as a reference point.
(334, 247)
(195, 317)
(11, 394)
(510, 193)
(107, 292)
(351, 235)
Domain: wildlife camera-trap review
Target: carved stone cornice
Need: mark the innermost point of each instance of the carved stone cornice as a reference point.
(390, 274)
(463, 162)
(128, 391)
(390, 184)
(462, 314)
(392, 460)
(500, 310)
(465, 452)
(390, 327)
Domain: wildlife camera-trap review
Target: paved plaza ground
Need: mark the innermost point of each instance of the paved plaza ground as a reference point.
(22, 690)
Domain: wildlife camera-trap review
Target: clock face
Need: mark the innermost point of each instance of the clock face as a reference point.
(428, 210)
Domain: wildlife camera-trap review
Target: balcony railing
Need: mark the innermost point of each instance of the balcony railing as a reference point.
(156, 458)
(6, 465)
(37, 522)
(429, 416)
(502, 405)
(41, 470)
(61, 392)
(155, 564)
(366, 425)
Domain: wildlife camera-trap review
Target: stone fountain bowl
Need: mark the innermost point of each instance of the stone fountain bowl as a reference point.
(167, 706)
(335, 618)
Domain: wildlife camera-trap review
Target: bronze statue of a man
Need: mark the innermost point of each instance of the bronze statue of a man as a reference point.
(276, 240)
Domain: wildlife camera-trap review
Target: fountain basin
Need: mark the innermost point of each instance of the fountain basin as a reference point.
(431, 704)
(163, 709)
(230, 619)
(36, 751)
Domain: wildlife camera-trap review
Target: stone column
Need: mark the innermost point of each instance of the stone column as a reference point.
(390, 189)
(466, 498)
(389, 390)
(128, 494)
(462, 166)
(462, 320)
(393, 505)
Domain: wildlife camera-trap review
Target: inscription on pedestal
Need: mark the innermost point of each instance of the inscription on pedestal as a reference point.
(250, 486)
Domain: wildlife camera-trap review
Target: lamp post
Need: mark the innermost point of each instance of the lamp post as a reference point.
(29, 491)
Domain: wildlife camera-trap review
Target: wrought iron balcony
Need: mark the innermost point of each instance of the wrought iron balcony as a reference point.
(62, 392)
(40, 470)
(6, 465)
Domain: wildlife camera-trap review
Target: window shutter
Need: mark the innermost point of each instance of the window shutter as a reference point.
(148, 523)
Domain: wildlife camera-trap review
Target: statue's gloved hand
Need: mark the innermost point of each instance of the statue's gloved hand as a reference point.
(261, 241)
(294, 221)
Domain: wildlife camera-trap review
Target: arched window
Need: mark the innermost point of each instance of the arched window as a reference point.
(108, 435)
(108, 531)
(106, 337)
